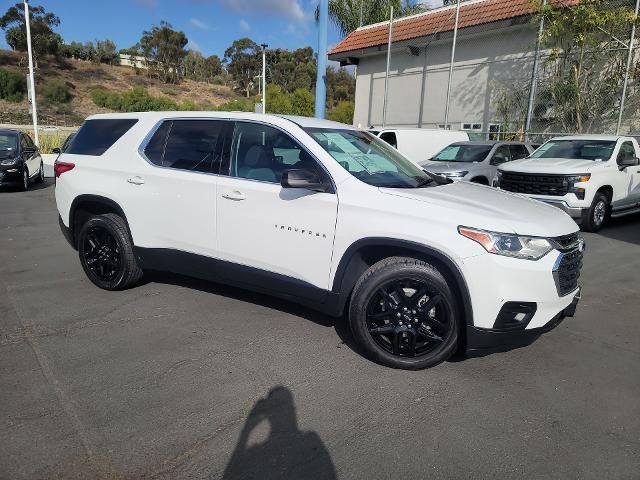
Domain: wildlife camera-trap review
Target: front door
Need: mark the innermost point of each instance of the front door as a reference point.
(283, 235)
(631, 175)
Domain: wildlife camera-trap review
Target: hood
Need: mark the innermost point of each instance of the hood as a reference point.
(439, 167)
(552, 165)
(487, 208)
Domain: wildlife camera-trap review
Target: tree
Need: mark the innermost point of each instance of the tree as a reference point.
(243, 62)
(12, 85)
(348, 15)
(164, 48)
(587, 64)
(342, 112)
(43, 39)
(201, 69)
(106, 52)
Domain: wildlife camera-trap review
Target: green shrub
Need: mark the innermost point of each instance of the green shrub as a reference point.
(217, 80)
(13, 86)
(55, 91)
(342, 112)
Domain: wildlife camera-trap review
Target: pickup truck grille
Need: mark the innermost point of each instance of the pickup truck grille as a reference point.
(533, 184)
(567, 271)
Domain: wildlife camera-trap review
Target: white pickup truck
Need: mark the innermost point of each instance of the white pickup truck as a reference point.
(590, 177)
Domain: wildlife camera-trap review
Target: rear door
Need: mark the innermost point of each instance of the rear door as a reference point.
(284, 236)
(172, 197)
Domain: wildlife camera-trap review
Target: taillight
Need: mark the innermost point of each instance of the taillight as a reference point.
(60, 167)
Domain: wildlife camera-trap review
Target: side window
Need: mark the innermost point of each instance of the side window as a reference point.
(627, 152)
(195, 145)
(261, 152)
(23, 143)
(518, 152)
(30, 143)
(501, 155)
(390, 138)
(154, 150)
(97, 135)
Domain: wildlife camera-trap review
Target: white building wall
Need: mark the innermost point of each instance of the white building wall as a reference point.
(418, 84)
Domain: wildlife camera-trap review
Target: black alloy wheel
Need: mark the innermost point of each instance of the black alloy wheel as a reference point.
(106, 252)
(404, 314)
(102, 254)
(408, 318)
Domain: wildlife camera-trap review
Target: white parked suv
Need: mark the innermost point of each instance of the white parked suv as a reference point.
(589, 177)
(322, 214)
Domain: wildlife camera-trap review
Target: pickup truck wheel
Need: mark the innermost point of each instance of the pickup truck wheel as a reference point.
(106, 253)
(597, 214)
(404, 315)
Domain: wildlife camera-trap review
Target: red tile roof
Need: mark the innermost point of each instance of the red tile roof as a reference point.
(438, 21)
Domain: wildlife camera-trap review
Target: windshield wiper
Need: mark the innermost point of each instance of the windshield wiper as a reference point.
(423, 181)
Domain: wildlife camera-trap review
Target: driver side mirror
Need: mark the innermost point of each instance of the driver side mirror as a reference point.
(629, 162)
(55, 150)
(303, 178)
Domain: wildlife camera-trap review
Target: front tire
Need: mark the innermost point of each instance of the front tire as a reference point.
(597, 214)
(106, 253)
(24, 186)
(404, 315)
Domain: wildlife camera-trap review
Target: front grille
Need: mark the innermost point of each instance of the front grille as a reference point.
(566, 242)
(567, 272)
(533, 184)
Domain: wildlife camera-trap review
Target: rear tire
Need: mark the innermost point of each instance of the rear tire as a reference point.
(106, 253)
(597, 214)
(404, 315)
(40, 177)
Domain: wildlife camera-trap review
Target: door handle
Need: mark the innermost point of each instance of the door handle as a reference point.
(234, 195)
(135, 180)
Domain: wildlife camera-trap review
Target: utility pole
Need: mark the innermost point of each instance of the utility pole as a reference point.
(453, 56)
(321, 82)
(534, 77)
(34, 113)
(264, 77)
(386, 76)
(626, 73)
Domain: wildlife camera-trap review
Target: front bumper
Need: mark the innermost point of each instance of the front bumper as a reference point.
(577, 213)
(483, 341)
(11, 178)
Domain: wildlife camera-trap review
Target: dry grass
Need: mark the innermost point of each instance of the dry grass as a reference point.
(83, 76)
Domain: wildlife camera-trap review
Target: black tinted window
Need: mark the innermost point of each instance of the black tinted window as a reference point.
(518, 152)
(96, 136)
(197, 145)
(155, 148)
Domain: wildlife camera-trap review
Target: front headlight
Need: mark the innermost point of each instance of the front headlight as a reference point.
(508, 245)
(454, 174)
(9, 161)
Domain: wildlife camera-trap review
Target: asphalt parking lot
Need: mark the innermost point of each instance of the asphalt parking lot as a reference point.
(183, 379)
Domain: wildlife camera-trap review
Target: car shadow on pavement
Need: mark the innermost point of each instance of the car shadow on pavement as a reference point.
(625, 229)
(286, 452)
(48, 182)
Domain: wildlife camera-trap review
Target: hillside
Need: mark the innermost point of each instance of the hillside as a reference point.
(82, 76)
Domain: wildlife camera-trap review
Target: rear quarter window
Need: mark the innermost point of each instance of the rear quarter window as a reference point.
(96, 136)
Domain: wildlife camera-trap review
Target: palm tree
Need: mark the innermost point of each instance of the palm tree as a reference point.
(348, 15)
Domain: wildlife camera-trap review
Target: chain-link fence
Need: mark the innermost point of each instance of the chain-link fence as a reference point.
(567, 68)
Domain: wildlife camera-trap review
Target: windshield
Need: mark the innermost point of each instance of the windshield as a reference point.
(8, 145)
(370, 159)
(463, 153)
(576, 149)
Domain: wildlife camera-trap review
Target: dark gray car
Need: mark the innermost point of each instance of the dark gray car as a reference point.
(475, 161)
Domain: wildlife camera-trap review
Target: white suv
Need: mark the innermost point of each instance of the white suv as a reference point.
(322, 214)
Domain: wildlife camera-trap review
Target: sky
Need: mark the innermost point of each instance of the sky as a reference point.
(210, 25)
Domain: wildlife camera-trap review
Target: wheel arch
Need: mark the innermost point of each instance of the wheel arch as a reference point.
(84, 207)
(607, 190)
(365, 252)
